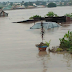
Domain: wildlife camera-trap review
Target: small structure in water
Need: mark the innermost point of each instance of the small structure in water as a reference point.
(46, 25)
(3, 14)
(42, 46)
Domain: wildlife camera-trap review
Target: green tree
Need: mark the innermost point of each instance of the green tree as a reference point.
(22, 3)
(68, 15)
(70, 2)
(51, 5)
(51, 14)
(37, 3)
(30, 3)
(11, 3)
(4, 3)
(35, 16)
(26, 3)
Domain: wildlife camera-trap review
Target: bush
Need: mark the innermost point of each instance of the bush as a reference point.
(68, 15)
(35, 16)
(51, 14)
(51, 5)
(48, 43)
(59, 49)
(70, 50)
(66, 41)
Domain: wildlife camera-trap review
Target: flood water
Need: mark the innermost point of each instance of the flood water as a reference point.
(17, 43)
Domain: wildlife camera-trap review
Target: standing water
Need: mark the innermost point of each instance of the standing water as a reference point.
(17, 43)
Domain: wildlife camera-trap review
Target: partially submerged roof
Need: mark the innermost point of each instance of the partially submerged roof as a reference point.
(2, 11)
(46, 25)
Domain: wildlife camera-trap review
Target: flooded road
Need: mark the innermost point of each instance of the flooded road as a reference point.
(17, 43)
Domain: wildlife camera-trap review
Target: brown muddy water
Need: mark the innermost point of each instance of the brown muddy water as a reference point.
(17, 43)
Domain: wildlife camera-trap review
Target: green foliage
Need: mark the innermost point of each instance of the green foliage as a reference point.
(66, 41)
(26, 3)
(35, 16)
(70, 50)
(59, 49)
(51, 5)
(43, 44)
(48, 43)
(68, 15)
(4, 3)
(11, 3)
(22, 3)
(51, 14)
(30, 4)
(70, 3)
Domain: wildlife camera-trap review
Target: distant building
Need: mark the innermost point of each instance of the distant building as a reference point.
(3, 14)
(19, 7)
(9, 7)
(40, 6)
(62, 3)
(30, 7)
(34, 4)
(57, 3)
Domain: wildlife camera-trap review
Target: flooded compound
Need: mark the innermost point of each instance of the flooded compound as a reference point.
(18, 52)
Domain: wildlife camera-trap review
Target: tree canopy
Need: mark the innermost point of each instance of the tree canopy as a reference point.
(52, 5)
(51, 14)
(11, 3)
(28, 4)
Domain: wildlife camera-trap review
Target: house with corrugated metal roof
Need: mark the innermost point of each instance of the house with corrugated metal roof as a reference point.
(9, 7)
(3, 14)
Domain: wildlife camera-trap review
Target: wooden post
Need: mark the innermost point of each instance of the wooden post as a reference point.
(3, 13)
(34, 21)
(42, 30)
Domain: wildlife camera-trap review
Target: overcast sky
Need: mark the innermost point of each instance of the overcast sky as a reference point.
(16, 0)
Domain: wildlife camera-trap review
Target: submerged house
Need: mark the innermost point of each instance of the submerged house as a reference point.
(9, 7)
(3, 14)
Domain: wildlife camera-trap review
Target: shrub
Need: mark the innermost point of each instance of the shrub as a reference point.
(51, 5)
(48, 43)
(70, 50)
(68, 15)
(59, 49)
(66, 41)
(51, 14)
(35, 16)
